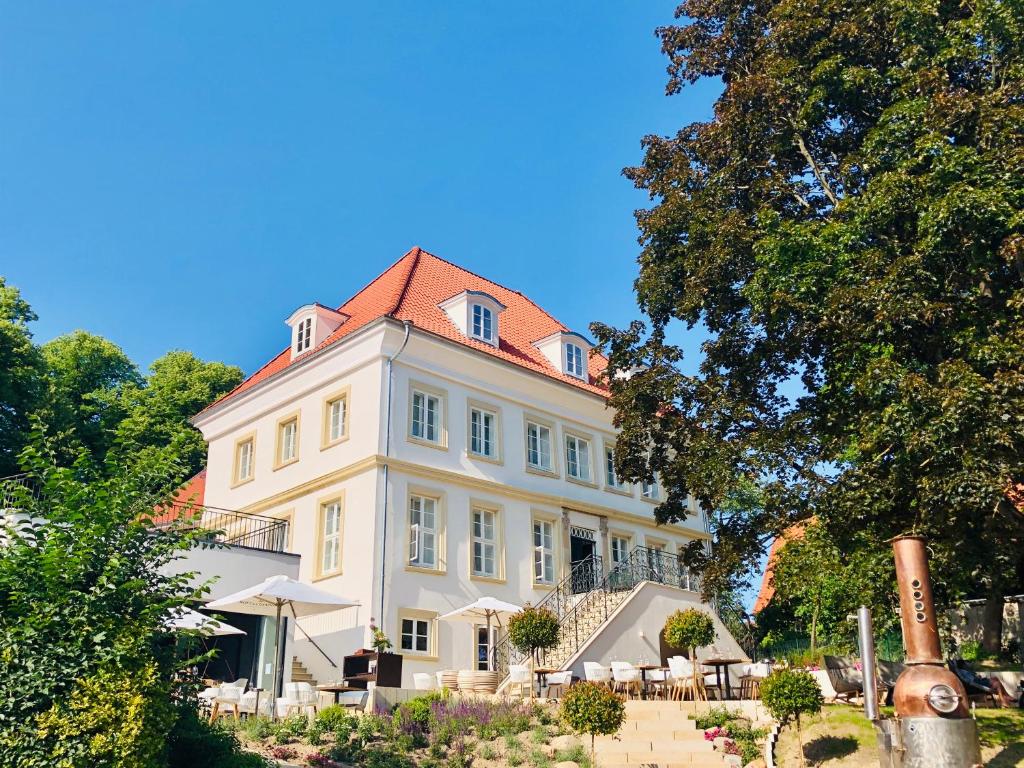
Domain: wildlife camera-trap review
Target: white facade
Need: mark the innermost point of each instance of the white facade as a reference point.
(406, 458)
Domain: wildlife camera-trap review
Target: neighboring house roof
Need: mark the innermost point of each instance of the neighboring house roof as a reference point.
(191, 493)
(767, 591)
(411, 289)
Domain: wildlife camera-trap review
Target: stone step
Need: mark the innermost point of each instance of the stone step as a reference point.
(688, 745)
(696, 761)
(642, 726)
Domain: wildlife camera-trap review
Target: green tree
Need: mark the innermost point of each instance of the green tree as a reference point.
(156, 412)
(20, 375)
(594, 709)
(531, 629)
(85, 375)
(87, 666)
(787, 694)
(691, 629)
(849, 230)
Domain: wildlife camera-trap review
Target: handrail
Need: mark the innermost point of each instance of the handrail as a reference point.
(236, 529)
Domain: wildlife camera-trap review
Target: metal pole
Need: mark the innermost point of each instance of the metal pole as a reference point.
(277, 663)
(867, 661)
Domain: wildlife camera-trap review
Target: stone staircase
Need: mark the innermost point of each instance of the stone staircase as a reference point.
(300, 674)
(657, 733)
(582, 622)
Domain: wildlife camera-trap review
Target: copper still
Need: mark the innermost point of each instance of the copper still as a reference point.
(933, 726)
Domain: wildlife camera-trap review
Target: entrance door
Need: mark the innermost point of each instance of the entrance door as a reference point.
(586, 568)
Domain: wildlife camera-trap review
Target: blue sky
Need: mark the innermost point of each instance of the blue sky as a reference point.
(183, 175)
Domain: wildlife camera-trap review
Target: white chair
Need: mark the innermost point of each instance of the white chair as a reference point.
(423, 681)
(440, 680)
(659, 680)
(247, 704)
(557, 681)
(519, 679)
(626, 677)
(300, 697)
(682, 679)
(228, 696)
(751, 676)
(595, 673)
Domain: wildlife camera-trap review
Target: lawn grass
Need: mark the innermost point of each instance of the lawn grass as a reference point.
(841, 737)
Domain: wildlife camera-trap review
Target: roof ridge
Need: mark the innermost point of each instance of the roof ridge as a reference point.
(495, 282)
(417, 252)
(414, 251)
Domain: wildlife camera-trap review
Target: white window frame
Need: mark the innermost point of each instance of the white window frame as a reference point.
(495, 431)
(328, 436)
(333, 539)
(440, 432)
(282, 457)
(575, 360)
(479, 629)
(625, 542)
(650, 491)
(237, 476)
(544, 555)
(551, 468)
(486, 318)
(423, 625)
(577, 454)
(478, 539)
(420, 532)
(303, 334)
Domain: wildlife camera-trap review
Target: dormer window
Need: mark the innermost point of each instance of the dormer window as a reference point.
(568, 353)
(311, 325)
(475, 314)
(303, 335)
(574, 360)
(483, 323)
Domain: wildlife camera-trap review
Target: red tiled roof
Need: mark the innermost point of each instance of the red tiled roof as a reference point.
(411, 289)
(191, 494)
(767, 592)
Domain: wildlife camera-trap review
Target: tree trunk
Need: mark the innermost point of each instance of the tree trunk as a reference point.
(992, 620)
(814, 628)
(799, 742)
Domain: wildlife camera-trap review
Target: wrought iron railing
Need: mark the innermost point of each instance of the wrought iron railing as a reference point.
(237, 529)
(14, 490)
(588, 595)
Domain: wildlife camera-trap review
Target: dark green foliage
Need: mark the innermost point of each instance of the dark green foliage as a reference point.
(337, 720)
(194, 743)
(787, 694)
(533, 628)
(21, 368)
(89, 675)
(849, 230)
(690, 628)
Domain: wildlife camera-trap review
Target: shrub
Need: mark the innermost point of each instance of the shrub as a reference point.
(716, 717)
(318, 760)
(257, 728)
(336, 719)
(283, 753)
(787, 694)
(487, 752)
(533, 628)
(194, 743)
(592, 708)
(574, 754)
(690, 629)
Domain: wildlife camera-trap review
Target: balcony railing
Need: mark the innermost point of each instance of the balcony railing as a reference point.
(237, 529)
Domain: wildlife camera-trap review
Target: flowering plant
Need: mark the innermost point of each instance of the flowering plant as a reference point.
(380, 641)
(713, 733)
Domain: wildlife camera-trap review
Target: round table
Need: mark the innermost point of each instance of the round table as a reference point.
(542, 674)
(722, 664)
(337, 689)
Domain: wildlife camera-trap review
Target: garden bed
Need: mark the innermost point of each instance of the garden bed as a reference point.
(427, 732)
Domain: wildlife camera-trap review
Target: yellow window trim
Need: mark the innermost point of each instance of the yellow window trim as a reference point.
(321, 505)
(442, 423)
(278, 430)
(345, 393)
(497, 439)
(441, 522)
(499, 540)
(556, 445)
(235, 480)
(556, 548)
(421, 615)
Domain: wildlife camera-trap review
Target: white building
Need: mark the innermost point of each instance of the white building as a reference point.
(435, 439)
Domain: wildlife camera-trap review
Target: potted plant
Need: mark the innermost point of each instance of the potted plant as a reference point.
(379, 640)
(690, 629)
(532, 629)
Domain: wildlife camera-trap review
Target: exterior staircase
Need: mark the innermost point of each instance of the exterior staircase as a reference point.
(300, 674)
(657, 733)
(587, 597)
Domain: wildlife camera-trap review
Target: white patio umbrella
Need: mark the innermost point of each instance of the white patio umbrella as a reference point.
(268, 598)
(488, 609)
(186, 618)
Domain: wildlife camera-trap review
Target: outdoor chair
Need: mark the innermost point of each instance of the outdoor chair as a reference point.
(845, 678)
(300, 697)
(659, 681)
(682, 680)
(519, 679)
(229, 696)
(626, 678)
(596, 673)
(888, 672)
(751, 677)
(247, 703)
(423, 681)
(557, 682)
(977, 691)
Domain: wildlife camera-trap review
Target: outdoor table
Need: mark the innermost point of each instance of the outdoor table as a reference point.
(643, 676)
(719, 665)
(337, 689)
(256, 706)
(542, 675)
